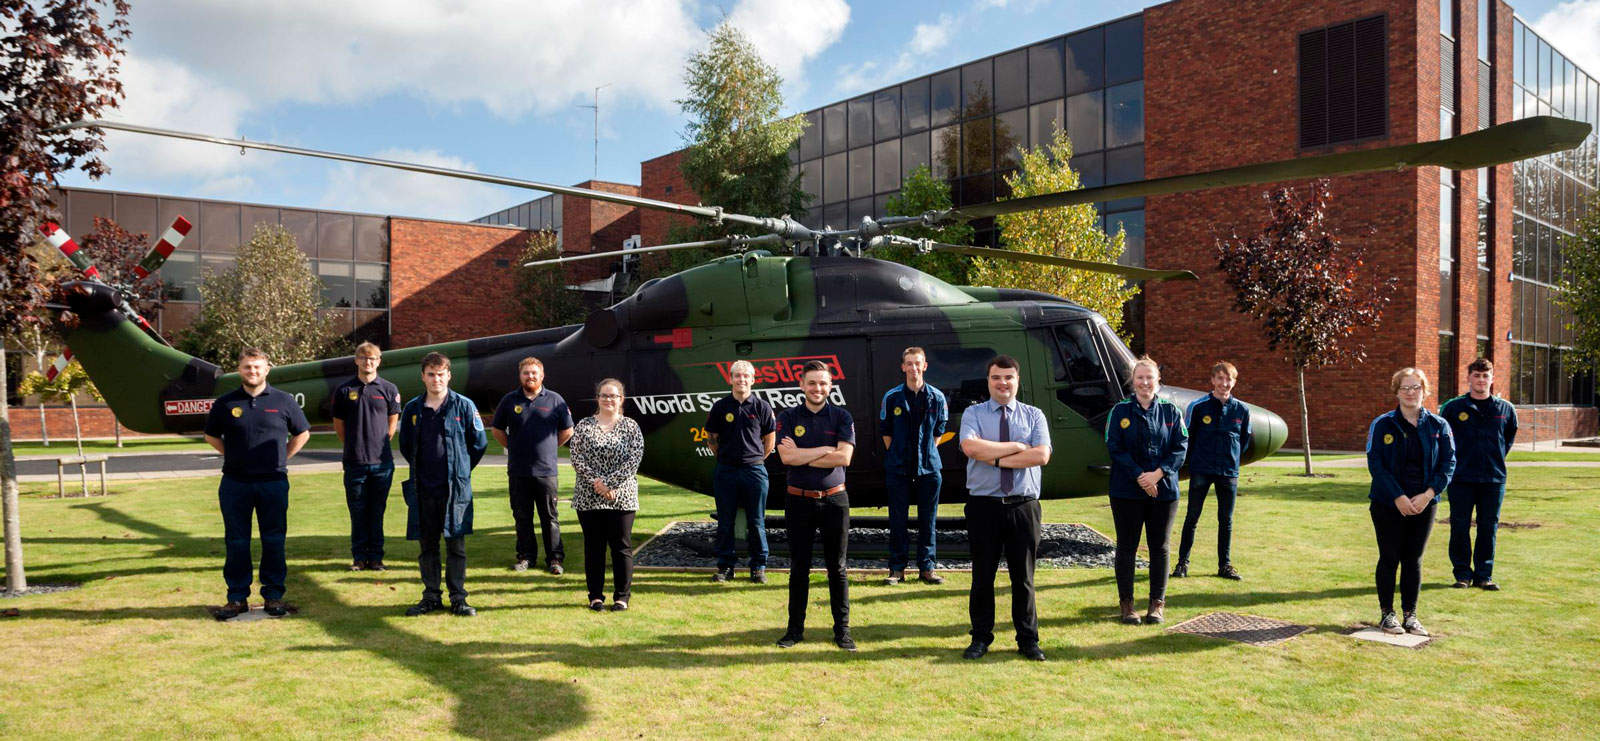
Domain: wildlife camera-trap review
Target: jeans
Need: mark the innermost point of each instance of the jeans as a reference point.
(269, 501)
(431, 503)
(1469, 562)
(903, 491)
(805, 517)
(1227, 492)
(996, 529)
(531, 494)
(1401, 542)
(366, 492)
(736, 488)
(1155, 519)
(603, 529)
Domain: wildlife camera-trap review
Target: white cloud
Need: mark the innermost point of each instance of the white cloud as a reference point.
(380, 190)
(927, 39)
(168, 95)
(1574, 28)
(789, 34)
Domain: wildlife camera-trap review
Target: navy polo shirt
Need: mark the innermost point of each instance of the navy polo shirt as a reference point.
(431, 467)
(532, 426)
(1484, 429)
(1219, 432)
(913, 422)
(739, 427)
(255, 432)
(365, 409)
(831, 426)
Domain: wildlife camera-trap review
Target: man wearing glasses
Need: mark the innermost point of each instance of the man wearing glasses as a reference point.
(366, 410)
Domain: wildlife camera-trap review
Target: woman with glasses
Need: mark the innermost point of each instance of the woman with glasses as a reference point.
(1411, 455)
(606, 449)
(1147, 440)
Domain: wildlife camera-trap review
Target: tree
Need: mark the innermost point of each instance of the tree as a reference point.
(540, 295)
(116, 252)
(268, 299)
(737, 141)
(59, 61)
(921, 192)
(1580, 284)
(1072, 232)
(1305, 287)
(66, 386)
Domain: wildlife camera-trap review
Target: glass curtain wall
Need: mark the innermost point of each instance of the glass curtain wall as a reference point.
(539, 213)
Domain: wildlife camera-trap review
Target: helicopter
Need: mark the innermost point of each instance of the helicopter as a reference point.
(673, 341)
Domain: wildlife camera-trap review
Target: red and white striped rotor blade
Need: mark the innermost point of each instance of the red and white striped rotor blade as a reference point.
(163, 248)
(60, 365)
(59, 238)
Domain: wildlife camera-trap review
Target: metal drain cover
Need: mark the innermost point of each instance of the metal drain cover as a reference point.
(1256, 631)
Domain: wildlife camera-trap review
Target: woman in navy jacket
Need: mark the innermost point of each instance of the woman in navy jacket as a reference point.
(1411, 455)
(1147, 440)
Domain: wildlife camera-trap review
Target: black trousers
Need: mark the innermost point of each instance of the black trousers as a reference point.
(1227, 493)
(605, 529)
(430, 519)
(996, 529)
(1155, 520)
(530, 495)
(804, 518)
(1401, 542)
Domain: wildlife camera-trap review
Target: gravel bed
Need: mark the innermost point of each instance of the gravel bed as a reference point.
(38, 589)
(1061, 546)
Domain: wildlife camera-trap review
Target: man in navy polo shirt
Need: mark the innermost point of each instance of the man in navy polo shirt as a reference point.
(257, 429)
(742, 432)
(366, 410)
(912, 418)
(531, 423)
(815, 443)
(1485, 427)
(1219, 434)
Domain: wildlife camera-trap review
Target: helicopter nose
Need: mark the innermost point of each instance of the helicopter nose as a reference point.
(1270, 431)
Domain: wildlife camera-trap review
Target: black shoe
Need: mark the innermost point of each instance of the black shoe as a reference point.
(520, 565)
(841, 638)
(1181, 571)
(1031, 652)
(555, 568)
(1487, 586)
(975, 651)
(358, 565)
(597, 604)
(928, 577)
(376, 566)
(233, 609)
(758, 576)
(462, 609)
(1229, 572)
(723, 575)
(791, 637)
(276, 608)
(1462, 584)
(619, 606)
(424, 607)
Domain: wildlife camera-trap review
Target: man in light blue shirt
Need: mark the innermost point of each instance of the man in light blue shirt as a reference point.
(1007, 444)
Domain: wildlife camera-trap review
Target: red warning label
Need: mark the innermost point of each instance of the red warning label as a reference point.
(187, 406)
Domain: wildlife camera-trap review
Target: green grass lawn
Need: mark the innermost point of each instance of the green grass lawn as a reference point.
(133, 653)
(134, 445)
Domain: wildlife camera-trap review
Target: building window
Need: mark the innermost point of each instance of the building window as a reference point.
(1344, 83)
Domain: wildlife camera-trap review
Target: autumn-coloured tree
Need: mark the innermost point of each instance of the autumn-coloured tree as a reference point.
(919, 193)
(59, 61)
(1308, 290)
(116, 252)
(540, 296)
(66, 386)
(1072, 232)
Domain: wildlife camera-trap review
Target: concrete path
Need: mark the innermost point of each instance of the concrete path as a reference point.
(187, 464)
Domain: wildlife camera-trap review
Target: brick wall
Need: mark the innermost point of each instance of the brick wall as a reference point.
(596, 226)
(95, 421)
(444, 281)
(661, 179)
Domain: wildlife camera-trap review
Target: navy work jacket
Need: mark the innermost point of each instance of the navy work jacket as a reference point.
(1386, 454)
(913, 437)
(1219, 434)
(1140, 440)
(464, 442)
(1482, 440)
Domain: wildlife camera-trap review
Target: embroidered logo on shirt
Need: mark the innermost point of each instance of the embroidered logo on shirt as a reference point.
(800, 431)
(729, 417)
(413, 419)
(237, 412)
(1124, 423)
(897, 411)
(516, 409)
(1205, 420)
(1462, 416)
(354, 396)
(1388, 439)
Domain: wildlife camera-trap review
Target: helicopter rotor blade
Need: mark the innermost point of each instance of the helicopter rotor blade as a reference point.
(62, 241)
(1507, 142)
(63, 359)
(1127, 271)
(765, 239)
(163, 248)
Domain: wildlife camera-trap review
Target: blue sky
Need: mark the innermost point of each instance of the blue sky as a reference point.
(494, 85)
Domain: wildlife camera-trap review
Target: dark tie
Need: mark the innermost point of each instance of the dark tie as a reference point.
(1006, 474)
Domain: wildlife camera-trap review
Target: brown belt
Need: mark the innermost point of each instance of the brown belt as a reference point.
(813, 493)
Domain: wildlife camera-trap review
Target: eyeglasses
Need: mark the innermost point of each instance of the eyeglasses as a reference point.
(1410, 389)
(610, 397)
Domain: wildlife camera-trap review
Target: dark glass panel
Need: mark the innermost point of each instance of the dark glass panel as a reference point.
(977, 189)
(1446, 374)
(913, 153)
(1541, 375)
(338, 282)
(1002, 189)
(880, 204)
(1125, 50)
(1132, 222)
(860, 121)
(335, 236)
(302, 225)
(836, 215)
(946, 96)
(219, 227)
(1124, 165)
(1011, 80)
(977, 89)
(1085, 61)
(835, 177)
(1010, 137)
(1044, 70)
(372, 286)
(1517, 289)
(340, 318)
(1484, 302)
(1125, 114)
(947, 152)
(1043, 120)
(371, 326)
(1447, 298)
(82, 208)
(176, 317)
(886, 113)
(1091, 169)
(181, 273)
(914, 101)
(833, 129)
(811, 180)
(140, 215)
(861, 172)
(1086, 121)
(859, 208)
(886, 167)
(372, 236)
(977, 146)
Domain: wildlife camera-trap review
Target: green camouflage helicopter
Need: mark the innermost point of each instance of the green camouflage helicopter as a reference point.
(673, 341)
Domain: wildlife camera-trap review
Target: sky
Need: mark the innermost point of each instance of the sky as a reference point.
(499, 86)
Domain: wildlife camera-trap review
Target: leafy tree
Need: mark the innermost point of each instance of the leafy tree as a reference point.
(1073, 232)
(59, 61)
(66, 386)
(1305, 286)
(1580, 284)
(921, 192)
(268, 299)
(116, 252)
(540, 295)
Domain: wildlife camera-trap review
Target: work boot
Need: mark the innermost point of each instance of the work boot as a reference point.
(357, 565)
(791, 637)
(895, 577)
(928, 577)
(520, 565)
(1181, 571)
(462, 609)
(1155, 616)
(424, 607)
(376, 566)
(758, 576)
(233, 609)
(723, 575)
(1129, 615)
(1487, 585)
(841, 638)
(276, 608)
(1229, 572)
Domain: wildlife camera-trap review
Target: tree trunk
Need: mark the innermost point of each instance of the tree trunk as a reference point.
(38, 360)
(16, 578)
(77, 429)
(116, 426)
(1305, 417)
(44, 429)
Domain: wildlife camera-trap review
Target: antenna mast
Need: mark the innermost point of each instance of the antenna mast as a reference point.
(596, 109)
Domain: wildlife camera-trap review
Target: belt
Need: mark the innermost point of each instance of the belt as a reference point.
(813, 493)
(1012, 499)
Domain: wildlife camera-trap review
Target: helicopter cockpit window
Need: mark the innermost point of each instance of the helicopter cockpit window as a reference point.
(1079, 359)
(1119, 358)
(961, 373)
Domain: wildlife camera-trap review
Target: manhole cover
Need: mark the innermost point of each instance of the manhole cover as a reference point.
(1256, 631)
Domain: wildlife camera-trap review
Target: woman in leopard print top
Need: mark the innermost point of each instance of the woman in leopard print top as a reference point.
(606, 449)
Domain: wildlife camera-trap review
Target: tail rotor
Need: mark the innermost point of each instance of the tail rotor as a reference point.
(152, 261)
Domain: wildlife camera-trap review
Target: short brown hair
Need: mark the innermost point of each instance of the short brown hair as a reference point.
(1224, 366)
(530, 361)
(1422, 376)
(1003, 361)
(1481, 365)
(368, 348)
(816, 365)
(913, 350)
(435, 360)
(254, 352)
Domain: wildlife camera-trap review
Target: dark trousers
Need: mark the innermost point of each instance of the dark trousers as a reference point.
(1227, 492)
(1155, 520)
(903, 491)
(269, 501)
(431, 503)
(366, 492)
(608, 529)
(1469, 562)
(735, 488)
(996, 529)
(805, 517)
(1401, 542)
(531, 494)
